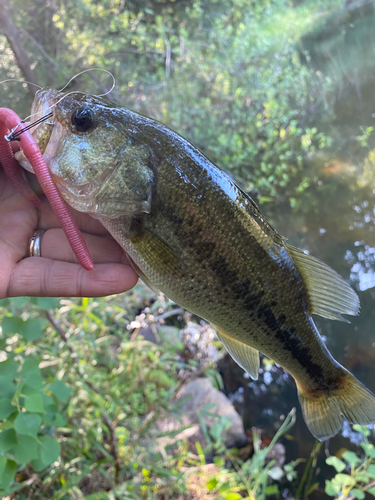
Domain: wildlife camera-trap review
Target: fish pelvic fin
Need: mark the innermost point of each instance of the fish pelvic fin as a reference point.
(323, 411)
(329, 294)
(244, 355)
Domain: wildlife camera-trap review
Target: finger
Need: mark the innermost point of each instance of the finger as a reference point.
(102, 250)
(41, 277)
(48, 220)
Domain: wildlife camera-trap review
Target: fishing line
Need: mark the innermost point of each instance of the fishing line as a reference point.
(20, 81)
(78, 91)
(87, 71)
(14, 136)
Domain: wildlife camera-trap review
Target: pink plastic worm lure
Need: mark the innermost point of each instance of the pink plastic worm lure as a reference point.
(8, 121)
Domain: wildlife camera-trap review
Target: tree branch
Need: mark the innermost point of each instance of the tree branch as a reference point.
(11, 33)
(53, 320)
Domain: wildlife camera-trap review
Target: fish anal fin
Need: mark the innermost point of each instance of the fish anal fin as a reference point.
(329, 294)
(244, 355)
(323, 411)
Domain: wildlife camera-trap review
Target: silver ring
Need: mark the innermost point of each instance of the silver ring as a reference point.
(35, 246)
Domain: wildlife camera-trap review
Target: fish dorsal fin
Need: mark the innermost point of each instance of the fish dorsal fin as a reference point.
(330, 295)
(247, 357)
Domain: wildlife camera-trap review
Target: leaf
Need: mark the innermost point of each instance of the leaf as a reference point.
(32, 384)
(356, 493)
(6, 408)
(365, 431)
(9, 368)
(30, 364)
(59, 421)
(50, 450)
(27, 423)
(26, 449)
(32, 329)
(19, 301)
(50, 414)
(34, 403)
(211, 484)
(232, 496)
(272, 489)
(200, 452)
(30, 372)
(343, 480)
(47, 400)
(352, 458)
(7, 388)
(338, 464)
(371, 470)
(223, 488)
(60, 390)
(368, 448)
(3, 462)
(37, 464)
(45, 302)
(8, 439)
(219, 461)
(11, 325)
(8, 474)
(331, 489)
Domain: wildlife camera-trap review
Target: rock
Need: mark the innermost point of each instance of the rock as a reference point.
(159, 335)
(193, 397)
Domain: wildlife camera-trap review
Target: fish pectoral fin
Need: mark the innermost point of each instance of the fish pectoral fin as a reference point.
(247, 357)
(323, 411)
(330, 295)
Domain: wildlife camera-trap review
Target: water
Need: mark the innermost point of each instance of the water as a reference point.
(335, 221)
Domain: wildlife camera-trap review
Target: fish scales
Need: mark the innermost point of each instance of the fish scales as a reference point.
(226, 275)
(192, 233)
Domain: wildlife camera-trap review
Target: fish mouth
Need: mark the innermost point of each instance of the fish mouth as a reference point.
(50, 133)
(44, 132)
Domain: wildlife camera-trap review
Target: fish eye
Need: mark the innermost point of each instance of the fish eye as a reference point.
(83, 119)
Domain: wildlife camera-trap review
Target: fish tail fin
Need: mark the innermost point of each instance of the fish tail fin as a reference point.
(323, 410)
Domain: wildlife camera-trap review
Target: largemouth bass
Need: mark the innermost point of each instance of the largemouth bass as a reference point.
(192, 233)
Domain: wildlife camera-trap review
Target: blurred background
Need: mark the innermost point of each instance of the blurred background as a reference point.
(280, 94)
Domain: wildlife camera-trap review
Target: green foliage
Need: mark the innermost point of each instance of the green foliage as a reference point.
(29, 415)
(78, 408)
(226, 74)
(253, 477)
(55, 401)
(359, 479)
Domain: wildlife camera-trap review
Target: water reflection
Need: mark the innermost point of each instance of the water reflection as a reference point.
(362, 271)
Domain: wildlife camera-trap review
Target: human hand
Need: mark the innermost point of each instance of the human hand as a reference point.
(57, 272)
